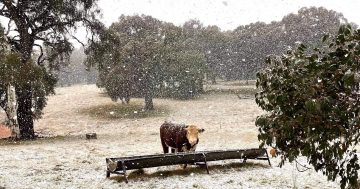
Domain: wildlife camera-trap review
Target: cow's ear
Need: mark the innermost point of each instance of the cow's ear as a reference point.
(201, 130)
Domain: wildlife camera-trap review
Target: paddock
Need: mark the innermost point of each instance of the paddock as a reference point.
(69, 160)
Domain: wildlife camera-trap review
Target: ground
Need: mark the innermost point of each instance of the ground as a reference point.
(71, 161)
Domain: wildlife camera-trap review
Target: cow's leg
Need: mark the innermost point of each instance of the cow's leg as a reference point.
(165, 147)
(183, 149)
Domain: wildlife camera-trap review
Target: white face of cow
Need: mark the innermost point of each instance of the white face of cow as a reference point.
(192, 134)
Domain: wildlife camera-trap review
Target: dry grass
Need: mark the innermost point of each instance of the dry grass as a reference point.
(68, 160)
(123, 111)
(240, 88)
(141, 174)
(244, 91)
(240, 83)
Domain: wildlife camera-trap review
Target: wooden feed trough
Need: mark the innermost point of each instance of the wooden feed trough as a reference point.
(122, 164)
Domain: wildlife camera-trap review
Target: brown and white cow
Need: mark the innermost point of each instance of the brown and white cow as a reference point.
(179, 137)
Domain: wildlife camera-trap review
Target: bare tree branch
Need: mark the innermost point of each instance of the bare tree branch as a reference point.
(39, 61)
(83, 45)
(40, 38)
(54, 24)
(13, 38)
(8, 29)
(3, 11)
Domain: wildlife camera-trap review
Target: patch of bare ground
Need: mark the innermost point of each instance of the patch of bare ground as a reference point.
(68, 160)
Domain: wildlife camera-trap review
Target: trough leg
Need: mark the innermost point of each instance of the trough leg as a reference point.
(124, 171)
(207, 168)
(107, 169)
(267, 155)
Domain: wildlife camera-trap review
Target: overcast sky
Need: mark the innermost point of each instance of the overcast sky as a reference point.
(227, 14)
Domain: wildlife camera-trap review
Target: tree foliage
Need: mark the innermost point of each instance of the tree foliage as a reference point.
(313, 104)
(35, 25)
(228, 55)
(13, 72)
(131, 43)
(251, 43)
(140, 56)
(183, 62)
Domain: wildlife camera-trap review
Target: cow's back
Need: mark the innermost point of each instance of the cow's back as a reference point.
(172, 134)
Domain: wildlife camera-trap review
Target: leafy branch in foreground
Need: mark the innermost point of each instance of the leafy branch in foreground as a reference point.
(313, 107)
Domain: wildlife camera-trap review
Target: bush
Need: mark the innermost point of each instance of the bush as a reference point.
(313, 105)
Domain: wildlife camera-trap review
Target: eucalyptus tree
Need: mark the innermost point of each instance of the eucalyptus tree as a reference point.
(140, 56)
(33, 25)
(254, 41)
(183, 62)
(217, 49)
(132, 47)
(312, 100)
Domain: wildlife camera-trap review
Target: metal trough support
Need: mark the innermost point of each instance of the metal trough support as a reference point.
(207, 167)
(112, 167)
(120, 165)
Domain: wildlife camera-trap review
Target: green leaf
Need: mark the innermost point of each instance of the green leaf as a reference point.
(312, 102)
(349, 79)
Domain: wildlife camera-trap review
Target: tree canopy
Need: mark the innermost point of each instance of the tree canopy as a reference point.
(140, 56)
(35, 25)
(312, 98)
(251, 43)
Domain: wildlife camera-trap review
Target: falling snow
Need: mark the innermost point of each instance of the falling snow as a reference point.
(80, 163)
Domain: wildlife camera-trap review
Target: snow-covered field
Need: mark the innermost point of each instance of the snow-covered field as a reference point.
(71, 161)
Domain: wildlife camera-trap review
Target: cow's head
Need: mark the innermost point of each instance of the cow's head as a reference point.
(192, 134)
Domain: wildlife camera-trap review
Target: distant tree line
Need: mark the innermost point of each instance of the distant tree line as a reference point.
(75, 72)
(247, 46)
(231, 55)
(140, 56)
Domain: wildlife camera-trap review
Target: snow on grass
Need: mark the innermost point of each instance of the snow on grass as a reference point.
(71, 161)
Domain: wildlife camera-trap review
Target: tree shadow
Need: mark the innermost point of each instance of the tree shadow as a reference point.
(176, 170)
(41, 140)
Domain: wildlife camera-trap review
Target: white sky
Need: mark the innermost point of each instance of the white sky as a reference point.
(227, 14)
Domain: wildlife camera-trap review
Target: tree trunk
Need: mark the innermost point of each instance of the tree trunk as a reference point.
(212, 78)
(23, 91)
(11, 112)
(24, 113)
(199, 86)
(149, 105)
(149, 92)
